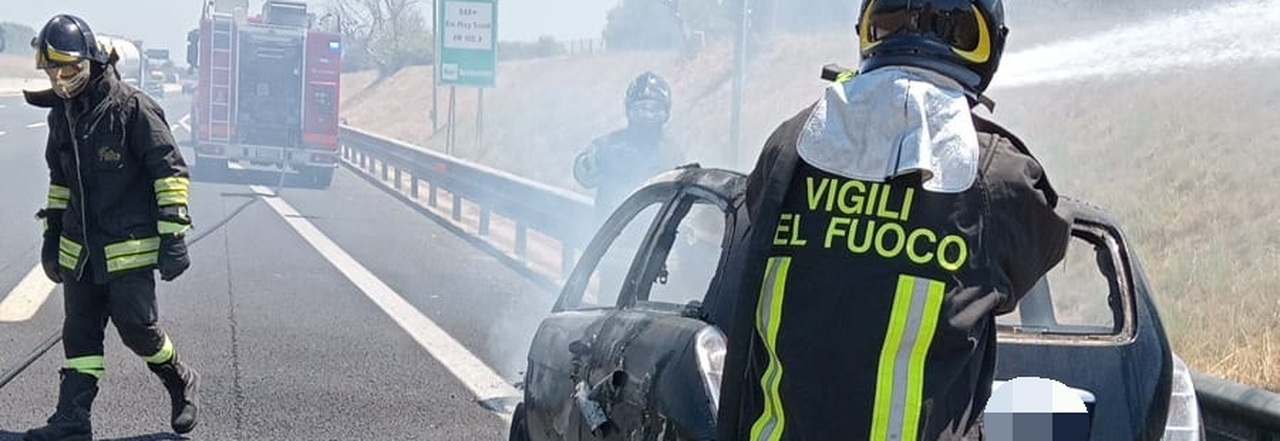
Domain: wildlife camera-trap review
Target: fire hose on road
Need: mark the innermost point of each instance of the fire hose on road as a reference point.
(54, 337)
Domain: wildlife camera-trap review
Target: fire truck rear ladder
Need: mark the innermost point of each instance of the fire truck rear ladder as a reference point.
(221, 76)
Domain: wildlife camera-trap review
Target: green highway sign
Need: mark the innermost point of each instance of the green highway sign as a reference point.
(467, 44)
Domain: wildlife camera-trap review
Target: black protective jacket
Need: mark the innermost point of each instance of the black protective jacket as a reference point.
(117, 181)
(867, 309)
(624, 159)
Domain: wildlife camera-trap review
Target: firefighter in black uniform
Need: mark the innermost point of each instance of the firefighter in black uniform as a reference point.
(889, 225)
(617, 163)
(117, 212)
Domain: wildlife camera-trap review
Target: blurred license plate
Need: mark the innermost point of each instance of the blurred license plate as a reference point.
(268, 154)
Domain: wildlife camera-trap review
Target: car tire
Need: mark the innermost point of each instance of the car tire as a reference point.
(519, 427)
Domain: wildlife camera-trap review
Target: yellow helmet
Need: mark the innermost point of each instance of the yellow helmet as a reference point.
(963, 39)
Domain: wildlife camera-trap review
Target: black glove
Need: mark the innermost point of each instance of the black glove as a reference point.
(52, 241)
(173, 260)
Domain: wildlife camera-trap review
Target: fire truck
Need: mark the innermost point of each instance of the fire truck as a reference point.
(266, 96)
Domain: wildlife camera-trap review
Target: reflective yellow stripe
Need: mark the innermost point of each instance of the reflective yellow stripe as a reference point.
(900, 380)
(172, 198)
(768, 321)
(172, 183)
(132, 262)
(167, 227)
(172, 190)
(59, 197)
(165, 353)
(132, 254)
(68, 253)
(91, 365)
(132, 247)
(58, 191)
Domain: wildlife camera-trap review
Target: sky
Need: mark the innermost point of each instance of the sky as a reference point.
(164, 23)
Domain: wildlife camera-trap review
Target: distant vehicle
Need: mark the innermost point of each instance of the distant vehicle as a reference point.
(131, 64)
(154, 60)
(154, 85)
(266, 96)
(633, 345)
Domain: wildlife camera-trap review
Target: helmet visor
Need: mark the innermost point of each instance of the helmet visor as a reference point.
(648, 111)
(957, 23)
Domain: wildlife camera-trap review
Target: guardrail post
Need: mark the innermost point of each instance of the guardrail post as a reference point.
(457, 207)
(413, 186)
(484, 221)
(397, 178)
(522, 241)
(384, 169)
(431, 198)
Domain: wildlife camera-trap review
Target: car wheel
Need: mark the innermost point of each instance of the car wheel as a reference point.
(519, 427)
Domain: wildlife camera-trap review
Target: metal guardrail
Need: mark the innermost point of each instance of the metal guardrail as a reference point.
(1231, 411)
(546, 217)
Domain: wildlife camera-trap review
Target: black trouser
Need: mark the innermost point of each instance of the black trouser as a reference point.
(129, 302)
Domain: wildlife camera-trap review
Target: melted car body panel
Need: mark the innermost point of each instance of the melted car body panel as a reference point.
(628, 371)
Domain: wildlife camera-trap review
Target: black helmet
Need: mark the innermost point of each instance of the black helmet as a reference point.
(65, 40)
(962, 39)
(649, 86)
(648, 101)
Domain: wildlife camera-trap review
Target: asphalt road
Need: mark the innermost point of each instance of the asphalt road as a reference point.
(317, 316)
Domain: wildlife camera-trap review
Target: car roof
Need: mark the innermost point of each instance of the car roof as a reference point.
(728, 184)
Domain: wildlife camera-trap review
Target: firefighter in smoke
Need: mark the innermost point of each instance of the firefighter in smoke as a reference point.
(618, 163)
(890, 224)
(116, 213)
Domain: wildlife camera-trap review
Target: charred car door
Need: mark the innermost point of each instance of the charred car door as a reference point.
(627, 352)
(1091, 325)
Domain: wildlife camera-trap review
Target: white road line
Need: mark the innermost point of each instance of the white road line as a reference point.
(483, 381)
(173, 127)
(185, 122)
(25, 299)
(35, 125)
(2, 133)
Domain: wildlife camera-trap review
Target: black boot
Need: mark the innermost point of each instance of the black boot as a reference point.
(70, 422)
(183, 382)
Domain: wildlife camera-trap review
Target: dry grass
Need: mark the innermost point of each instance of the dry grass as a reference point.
(1184, 160)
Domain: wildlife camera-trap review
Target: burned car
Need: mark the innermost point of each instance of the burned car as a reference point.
(633, 347)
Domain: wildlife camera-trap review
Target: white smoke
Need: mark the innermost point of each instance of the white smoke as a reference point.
(1244, 31)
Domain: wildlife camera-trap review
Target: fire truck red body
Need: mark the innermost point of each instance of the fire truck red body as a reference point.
(267, 90)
